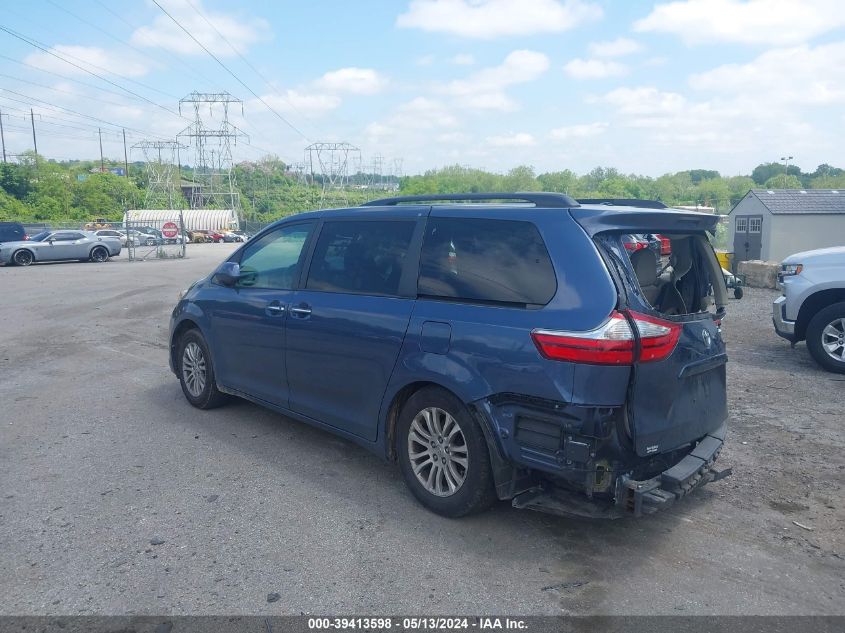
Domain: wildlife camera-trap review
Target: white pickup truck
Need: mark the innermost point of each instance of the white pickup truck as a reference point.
(812, 306)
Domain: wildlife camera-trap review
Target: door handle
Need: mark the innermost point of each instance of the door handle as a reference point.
(302, 311)
(274, 309)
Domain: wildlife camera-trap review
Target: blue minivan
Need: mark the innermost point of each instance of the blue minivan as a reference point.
(498, 346)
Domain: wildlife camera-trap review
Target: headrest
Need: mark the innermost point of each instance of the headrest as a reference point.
(645, 267)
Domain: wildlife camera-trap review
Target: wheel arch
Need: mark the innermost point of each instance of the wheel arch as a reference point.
(96, 246)
(28, 250)
(814, 303)
(183, 326)
(394, 409)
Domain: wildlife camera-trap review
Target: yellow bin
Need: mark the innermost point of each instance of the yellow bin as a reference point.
(725, 259)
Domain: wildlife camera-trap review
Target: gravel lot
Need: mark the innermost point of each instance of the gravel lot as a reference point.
(100, 455)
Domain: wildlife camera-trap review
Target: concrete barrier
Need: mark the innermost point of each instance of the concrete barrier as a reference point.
(759, 274)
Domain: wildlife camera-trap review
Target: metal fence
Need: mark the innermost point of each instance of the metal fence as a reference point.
(159, 239)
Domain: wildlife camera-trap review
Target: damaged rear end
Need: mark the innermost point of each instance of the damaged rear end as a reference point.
(664, 339)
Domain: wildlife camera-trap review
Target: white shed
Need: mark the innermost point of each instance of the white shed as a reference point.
(771, 224)
(195, 219)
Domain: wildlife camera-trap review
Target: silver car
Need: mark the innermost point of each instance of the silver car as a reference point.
(49, 246)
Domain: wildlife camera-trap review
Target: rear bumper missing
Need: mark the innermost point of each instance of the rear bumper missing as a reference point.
(632, 497)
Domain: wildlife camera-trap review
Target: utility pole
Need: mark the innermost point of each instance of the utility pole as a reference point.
(2, 136)
(34, 142)
(125, 155)
(102, 165)
(786, 167)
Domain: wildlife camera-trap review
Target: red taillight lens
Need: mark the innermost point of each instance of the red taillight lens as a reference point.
(612, 343)
(25, 237)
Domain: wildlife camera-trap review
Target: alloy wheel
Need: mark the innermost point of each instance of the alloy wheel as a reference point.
(438, 451)
(23, 258)
(99, 255)
(833, 339)
(194, 369)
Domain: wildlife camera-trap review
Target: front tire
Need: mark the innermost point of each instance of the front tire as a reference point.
(196, 372)
(738, 293)
(99, 255)
(23, 258)
(826, 337)
(443, 454)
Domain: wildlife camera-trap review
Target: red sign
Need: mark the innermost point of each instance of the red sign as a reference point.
(169, 230)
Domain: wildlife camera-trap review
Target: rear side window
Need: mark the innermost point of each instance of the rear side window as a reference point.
(500, 261)
(362, 257)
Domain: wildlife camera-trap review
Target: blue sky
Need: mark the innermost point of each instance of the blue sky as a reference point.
(646, 87)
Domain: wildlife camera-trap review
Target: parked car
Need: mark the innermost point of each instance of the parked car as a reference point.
(812, 306)
(231, 236)
(60, 245)
(496, 351)
(12, 232)
(198, 237)
(111, 233)
(216, 237)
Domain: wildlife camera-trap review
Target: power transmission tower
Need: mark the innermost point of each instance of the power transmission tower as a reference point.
(160, 172)
(214, 177)
(330, 163)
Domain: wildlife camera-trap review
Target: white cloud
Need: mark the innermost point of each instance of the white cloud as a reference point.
(594, 69)
(108, 61)
(584, 130)
(166, 34)
(619, 47)
(485, 88)
(800, 74)
(488, 19)
(646, 101)
(463, 60)
(419, 114)
(520, 139)
(749, 22)
(311, 104)
(364, 81)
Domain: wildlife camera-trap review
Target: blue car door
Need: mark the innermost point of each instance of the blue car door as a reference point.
(347, 324)
(248, 320)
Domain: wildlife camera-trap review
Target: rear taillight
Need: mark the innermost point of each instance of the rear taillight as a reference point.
(612, 343)
(634, 246)
(25, 237)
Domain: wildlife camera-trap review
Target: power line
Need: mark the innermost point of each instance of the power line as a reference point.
(109, 81)
(52, 106)
(62, 77)
(246, 61)
(122, 41)
(67, 92)
(226, 68)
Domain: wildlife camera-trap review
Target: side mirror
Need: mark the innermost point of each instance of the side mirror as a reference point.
(228, 274)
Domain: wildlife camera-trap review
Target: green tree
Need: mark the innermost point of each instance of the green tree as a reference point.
(782, 181)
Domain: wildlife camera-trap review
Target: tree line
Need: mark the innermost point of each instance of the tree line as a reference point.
(38, 190)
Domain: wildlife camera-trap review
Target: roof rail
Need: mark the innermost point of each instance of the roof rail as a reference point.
(625, 202)
(543, 200)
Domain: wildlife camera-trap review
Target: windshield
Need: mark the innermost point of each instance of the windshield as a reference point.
(39, 237)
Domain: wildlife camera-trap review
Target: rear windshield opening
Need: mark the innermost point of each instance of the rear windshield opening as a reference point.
(671, 273)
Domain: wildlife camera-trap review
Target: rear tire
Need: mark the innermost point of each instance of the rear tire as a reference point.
(196, 372)
(443, 454)
(826, 337)
(738, 293)
(99, 254)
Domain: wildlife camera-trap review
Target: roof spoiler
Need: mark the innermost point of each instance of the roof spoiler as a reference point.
(541, 200)
(625, 202)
